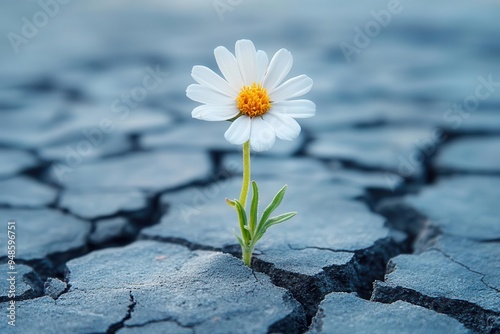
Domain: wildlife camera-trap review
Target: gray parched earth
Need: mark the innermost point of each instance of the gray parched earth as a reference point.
(118, 195)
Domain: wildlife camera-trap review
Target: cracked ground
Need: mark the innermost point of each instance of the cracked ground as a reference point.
(118, 194)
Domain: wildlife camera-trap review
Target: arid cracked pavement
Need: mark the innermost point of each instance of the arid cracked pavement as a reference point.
(118, 195)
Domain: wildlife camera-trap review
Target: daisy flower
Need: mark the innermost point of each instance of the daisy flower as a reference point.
(252, 95)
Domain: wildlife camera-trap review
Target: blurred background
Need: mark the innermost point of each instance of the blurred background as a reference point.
(114, 74)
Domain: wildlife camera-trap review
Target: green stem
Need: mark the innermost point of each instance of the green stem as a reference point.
(246, 174)
(247, 255)
(246, 251)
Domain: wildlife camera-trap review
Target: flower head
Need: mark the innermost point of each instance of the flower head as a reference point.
(252, 95)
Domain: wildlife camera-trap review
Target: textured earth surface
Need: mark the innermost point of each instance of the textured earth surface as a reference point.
(117, 194)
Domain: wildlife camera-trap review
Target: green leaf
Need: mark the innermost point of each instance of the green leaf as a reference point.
(261, 229)
(254, 208)
(280, 219)
(242, 217)
(273, 221)
(229, 202)
(242, 244)
(271, 207)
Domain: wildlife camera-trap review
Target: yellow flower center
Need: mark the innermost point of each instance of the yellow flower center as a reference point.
(253, 100)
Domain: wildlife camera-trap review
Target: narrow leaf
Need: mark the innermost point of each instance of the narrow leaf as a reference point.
(242, 217)
(240, 241)
(274, 221)
(280, 219)
(254, 208)
(229, 202)
(271, 207)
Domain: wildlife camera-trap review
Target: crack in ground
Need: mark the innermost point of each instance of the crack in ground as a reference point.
(113, 328)
(357, 267)
(423, 233)
(360, 268)
(322, 248)
(256, 278)
(488, 240)
(182, 242)
(357, 275)
(469, 314)
(317, 323)
(33, 280)
(54, 265)
(466, 267)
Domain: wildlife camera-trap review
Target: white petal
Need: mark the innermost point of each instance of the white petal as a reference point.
(293, 87)
(262, 62)
(295, 108)
(214, 113)
(247, 61)
(278, 69)
(286, 128)
(207, 95)
(206, 77)
(239, 131)
(262, 136)
(229, 67)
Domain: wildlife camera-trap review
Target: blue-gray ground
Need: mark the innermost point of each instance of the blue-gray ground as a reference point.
(118, 195)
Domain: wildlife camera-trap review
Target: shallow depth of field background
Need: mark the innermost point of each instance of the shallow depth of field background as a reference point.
(91, 52)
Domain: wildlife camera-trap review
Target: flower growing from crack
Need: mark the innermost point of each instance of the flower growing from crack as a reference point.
(259, 105)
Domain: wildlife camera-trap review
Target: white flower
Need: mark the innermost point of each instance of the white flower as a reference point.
(252, 94)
